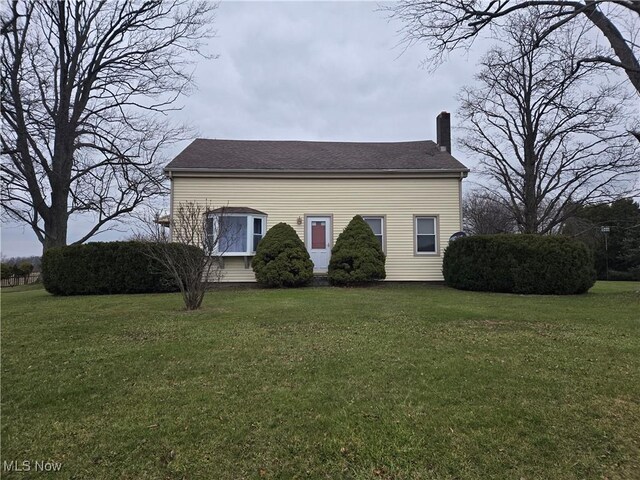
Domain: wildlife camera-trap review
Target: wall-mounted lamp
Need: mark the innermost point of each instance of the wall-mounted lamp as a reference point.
(299, 221)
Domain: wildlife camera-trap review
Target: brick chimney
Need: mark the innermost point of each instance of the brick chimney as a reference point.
(443, 131)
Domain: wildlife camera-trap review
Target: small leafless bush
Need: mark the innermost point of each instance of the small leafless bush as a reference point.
(189, 249)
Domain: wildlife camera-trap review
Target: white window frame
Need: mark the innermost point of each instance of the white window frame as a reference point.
(249, 218)
(383, 228)
(435, 234)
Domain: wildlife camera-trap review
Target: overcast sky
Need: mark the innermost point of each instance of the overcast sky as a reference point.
(307, 71)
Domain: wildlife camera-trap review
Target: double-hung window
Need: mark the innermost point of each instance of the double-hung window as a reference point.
(234, 232)
(425, 235)
(377, 226)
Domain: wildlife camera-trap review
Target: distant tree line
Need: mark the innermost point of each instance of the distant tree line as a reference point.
(34, 260)
(617, 250)
(19, 266)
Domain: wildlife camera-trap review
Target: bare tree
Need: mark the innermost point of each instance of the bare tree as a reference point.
(446, 25)
(485, 213)
(85, 89)
(190, 246)
(549, 139)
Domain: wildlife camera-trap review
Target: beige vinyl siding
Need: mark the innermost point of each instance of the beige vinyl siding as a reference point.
(286, 199)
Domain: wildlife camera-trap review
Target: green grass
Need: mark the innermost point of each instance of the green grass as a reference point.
(389, 382)
(22, 288)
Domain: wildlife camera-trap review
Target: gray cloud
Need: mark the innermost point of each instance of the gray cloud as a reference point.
(318, 71)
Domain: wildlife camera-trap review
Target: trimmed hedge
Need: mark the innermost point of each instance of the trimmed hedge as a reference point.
(281, 259)
(526, 264)
(103, 268)
(357, 256)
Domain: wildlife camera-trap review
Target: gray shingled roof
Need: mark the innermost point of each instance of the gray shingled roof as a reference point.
(293, 156)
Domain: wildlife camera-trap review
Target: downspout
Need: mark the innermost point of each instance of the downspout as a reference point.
(170, 175)
(460, 200)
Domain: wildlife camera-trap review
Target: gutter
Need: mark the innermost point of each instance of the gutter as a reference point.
(461, 173)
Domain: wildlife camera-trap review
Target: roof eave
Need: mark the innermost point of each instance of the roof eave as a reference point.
(266, 172)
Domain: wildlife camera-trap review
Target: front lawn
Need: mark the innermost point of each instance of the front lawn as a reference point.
(388, 382)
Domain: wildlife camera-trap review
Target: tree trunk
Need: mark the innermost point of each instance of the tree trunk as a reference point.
(55, 232)
(56, 220)
(530, 208)
(530, 215)
(530, 160)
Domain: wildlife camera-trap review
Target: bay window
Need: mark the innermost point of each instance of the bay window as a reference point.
(236, 231)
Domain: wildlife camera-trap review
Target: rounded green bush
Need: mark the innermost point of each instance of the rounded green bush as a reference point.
(525, 264)
(281, 259)
(101, 268)
(357, 256)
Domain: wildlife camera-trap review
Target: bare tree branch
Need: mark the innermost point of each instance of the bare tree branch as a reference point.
(446, 25)
(195, 270)
(485, 213)
(86, 87)
(548, 137)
